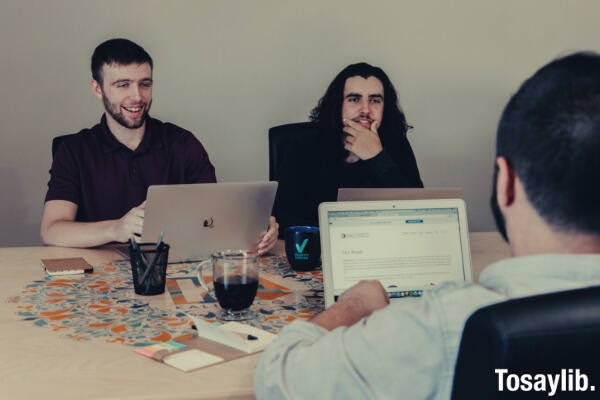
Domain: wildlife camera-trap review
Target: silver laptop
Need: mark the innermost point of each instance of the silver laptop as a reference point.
(364, 194)
(198, 219)
(408, 245)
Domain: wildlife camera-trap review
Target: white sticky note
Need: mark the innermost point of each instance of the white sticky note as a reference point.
(191, 359)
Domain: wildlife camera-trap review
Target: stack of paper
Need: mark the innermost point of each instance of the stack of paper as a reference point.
(214, 344)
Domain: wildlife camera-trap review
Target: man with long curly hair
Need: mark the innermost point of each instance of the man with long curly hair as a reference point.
(360, 142)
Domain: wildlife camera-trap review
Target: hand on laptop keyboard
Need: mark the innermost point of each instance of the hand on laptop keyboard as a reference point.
(367, 296)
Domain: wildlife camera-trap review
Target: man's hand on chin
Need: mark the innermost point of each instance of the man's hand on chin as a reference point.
(362, 142)
(360, 301)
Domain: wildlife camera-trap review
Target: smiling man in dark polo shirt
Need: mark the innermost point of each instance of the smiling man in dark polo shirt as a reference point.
(99, 177)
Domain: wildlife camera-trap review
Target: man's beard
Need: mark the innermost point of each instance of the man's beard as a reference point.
(496, 212)
(118, 115)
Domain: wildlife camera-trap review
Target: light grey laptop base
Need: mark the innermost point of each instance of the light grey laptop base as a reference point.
(408, 245)
(367, 194)
(199, 219)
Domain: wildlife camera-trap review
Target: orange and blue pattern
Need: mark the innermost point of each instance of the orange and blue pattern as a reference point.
(103, 305)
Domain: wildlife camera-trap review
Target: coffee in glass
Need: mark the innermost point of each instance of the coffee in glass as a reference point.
(235, 281)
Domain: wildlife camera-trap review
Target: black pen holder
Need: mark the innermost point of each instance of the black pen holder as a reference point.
(149, 267)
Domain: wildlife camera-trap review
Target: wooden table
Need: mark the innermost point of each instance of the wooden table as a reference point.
(38, 363)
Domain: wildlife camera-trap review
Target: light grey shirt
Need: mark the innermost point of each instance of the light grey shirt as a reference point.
(409, 348)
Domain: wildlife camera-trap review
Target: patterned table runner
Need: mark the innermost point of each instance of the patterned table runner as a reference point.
(102, 305)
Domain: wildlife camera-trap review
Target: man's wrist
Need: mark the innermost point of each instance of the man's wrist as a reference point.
(112, 230)
(375, 154)
(345, 312)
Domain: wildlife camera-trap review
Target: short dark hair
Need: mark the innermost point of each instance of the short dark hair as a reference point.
(327, 115)
(549, 133)
(118, 51)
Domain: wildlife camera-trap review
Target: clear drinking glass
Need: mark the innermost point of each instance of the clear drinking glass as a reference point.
(235, 281)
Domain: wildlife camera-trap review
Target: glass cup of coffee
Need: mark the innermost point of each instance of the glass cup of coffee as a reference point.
(235, 281)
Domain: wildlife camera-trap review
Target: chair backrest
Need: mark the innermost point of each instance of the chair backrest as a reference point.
(56, 142)
(285, 140)
(534, 335)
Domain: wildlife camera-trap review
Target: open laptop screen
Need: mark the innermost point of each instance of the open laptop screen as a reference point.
(406, 249)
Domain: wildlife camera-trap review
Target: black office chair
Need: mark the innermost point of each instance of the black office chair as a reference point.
(539, 334)
(285, 141)
(57, 141)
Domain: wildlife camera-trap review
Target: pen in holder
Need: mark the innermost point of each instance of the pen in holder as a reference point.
(153, 263)
(149, 277)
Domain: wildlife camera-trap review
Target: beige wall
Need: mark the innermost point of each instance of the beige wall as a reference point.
(228, 70)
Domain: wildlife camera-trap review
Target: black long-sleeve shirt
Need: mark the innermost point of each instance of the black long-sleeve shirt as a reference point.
(311, 176)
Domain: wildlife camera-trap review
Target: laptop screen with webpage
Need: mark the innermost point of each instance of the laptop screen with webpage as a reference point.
(406, 245)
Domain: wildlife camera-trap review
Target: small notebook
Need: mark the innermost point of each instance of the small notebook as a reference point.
(66, 266)
(199, 352)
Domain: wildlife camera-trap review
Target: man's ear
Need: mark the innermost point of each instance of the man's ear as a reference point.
(505, 183)
(96, 88)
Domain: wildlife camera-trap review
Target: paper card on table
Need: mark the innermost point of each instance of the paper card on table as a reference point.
(234, 334)
(192, 359)
(263, 338)
(189, 290)
(66, 266)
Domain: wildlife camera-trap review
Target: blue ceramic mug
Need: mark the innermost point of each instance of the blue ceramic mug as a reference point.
(303, 247)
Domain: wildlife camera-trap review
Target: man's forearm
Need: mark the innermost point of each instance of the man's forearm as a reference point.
(345, 313)
(79, 234)
(357, 302)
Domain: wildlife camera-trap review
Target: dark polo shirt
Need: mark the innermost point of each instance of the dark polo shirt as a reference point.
(106, 179)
